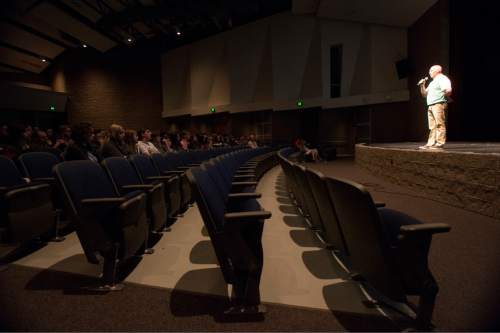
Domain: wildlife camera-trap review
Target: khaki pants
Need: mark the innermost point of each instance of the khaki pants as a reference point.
(436, 115)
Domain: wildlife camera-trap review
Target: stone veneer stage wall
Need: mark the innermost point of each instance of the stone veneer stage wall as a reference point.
(467, 180)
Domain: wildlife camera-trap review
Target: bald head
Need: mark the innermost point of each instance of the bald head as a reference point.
(435, 70)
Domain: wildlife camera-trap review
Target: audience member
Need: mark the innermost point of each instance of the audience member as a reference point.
(80, 147)
(308, 154)
(252, 142)
(145, 146)
(130, 139)
(115, 146)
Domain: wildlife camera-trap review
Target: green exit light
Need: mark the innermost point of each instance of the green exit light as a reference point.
(212, 109)
(52, 108)
(300, 103)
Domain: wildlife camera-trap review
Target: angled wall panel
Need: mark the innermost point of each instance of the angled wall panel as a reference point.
(175, 80)
(264, 83)
(205, 57)
(221, 87)
(361, 83)
(388, 45)
(246, 46)
(291, 37)
(312, 85)
(349, 36)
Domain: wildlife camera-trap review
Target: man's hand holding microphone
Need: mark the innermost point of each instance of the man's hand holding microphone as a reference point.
(422, 81)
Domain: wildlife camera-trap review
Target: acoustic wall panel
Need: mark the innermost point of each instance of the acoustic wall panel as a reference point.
(245, 55)
(361, 83)
(349, 36)
(312, 85)
(388, 46)
(175, 80)
(220, 93)
(205, 58)
(291, 37)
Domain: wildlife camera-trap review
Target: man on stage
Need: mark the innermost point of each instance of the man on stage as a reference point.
(437, 94)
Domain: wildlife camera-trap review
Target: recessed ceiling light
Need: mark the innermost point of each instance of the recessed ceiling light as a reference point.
(84, 45)
(44, 60)
(129, 40)
(178, 33)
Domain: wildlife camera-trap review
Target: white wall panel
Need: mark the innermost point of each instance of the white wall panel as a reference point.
(349, 36)
(388, 46)
(175, 80)
(205, 58)
(245, 55)
(291, 38)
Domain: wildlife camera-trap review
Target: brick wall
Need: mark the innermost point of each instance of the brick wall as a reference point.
(122, 86)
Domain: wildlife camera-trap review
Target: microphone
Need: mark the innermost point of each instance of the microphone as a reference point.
(422, 81)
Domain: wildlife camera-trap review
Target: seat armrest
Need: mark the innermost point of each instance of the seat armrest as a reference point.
(424, 228)
(194, 164)
(139, 187)
(379, 204)
(44, 179)
(246, 216)
(183, 168)
(163, 178)
(24, 188)
(245, 195)
(244, 183)
(173, 172)
(244, 176)
(102, 201)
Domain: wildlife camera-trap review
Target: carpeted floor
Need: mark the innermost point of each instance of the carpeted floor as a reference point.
(32, 299)
(465, 262)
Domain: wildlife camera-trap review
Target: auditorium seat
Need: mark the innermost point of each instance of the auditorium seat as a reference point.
(26, 210)
(236, 238)
(170, 164)
(38, 166)
(125, 180)
(332, 235)
(388, 250)
(149, 174)
(113, 226)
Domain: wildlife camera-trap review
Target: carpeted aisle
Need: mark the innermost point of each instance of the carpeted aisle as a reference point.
(32, 299)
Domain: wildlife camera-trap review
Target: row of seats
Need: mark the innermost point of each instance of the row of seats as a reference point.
(104, 203)
(224, 190)
(382, 248)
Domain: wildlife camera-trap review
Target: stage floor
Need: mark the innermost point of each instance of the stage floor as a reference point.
(457, 147)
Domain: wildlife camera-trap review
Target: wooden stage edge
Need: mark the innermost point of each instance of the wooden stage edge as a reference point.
(463, 174)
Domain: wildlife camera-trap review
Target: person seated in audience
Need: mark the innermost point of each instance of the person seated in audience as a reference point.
(63, 138)
(130, 140)
(145, 146)
(308, 154)
(167, 144)
(40, 141)
(184, 142)
(115, 146)
(81, 147)
(252, 142)
(156, 141)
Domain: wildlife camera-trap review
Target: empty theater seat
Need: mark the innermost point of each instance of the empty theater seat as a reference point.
(388, 250)
(112, 226)
(26, 210)
(126, 180)
(234, 222)
(38, 166)
(149, 174)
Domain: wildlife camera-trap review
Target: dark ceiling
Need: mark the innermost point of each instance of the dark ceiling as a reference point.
(34, 32)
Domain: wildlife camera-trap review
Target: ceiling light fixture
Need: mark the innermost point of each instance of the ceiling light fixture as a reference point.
(178, 33)
(44, 60)
(130, 40)
(84, 45)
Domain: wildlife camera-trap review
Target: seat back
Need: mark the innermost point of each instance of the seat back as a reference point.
(212, 209)
(83, 179)
(144, 167)
(9, 173)
(367, 241)
(333, 233)
(308, 199)
(121, 173)
(38, 164)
